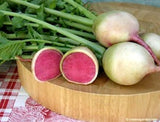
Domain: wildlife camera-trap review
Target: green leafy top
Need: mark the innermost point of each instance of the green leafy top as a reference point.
(13, 27)
(10, 49)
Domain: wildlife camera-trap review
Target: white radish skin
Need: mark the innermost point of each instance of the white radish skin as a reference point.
(153, 40)
(115, 26)
(118, 26)
(127, 63)
(76, 70)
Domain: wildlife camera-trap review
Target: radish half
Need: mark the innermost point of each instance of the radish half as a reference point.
(153, 40)
(127, 63)
(46, 64)
(79, 65)
(118, 26)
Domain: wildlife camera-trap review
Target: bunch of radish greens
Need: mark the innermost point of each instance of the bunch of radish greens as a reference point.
(54, 22)
(28, 26)
(44, 30)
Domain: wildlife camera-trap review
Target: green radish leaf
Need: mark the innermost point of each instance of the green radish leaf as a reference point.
(3, 40)
(79, 2)
(2, 19)
(33, 34)
(69, 9)
(62, 22)
(38, 2)
(51, 4)
(40, 12)
(5, 6)
(60, 4)
(41, 45)
(10, 49)
(2, 34)
(40, 29)
(21, 33)
(2, 1)
(17, 22)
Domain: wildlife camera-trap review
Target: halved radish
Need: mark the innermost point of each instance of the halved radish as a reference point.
(46, 64)
(79, 65)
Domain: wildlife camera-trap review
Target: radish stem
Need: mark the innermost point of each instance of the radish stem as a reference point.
(92, 45)
(57, 13)
(79, 33)
(82, 9)
(26, 24)
(49, 42)
(137, 39)
(73, 24)
(34, 47)
(79, 26)
(45, 37)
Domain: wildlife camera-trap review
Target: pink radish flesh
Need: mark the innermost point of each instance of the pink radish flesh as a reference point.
(119, 26)
(79, 67)
(47, 65)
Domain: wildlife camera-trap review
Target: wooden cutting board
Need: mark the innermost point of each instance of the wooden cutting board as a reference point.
(102, 101)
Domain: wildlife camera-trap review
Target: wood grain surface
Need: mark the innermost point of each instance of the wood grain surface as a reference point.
(102, 101)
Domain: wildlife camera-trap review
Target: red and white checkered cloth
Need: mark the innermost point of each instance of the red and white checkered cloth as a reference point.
(16, 105)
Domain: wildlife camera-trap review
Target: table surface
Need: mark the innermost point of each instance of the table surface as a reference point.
(15, 103)
(143, 2)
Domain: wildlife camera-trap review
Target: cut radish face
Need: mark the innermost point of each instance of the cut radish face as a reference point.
(79, 65)
(46, 64)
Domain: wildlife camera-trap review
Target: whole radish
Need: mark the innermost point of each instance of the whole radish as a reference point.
(153, 40)
(118, 26)
(126, 63)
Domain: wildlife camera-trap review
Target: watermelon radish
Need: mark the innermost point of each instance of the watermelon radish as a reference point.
(79, 65)
(126, 63)
(153, 40)
(118, 26)
(46, 64)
